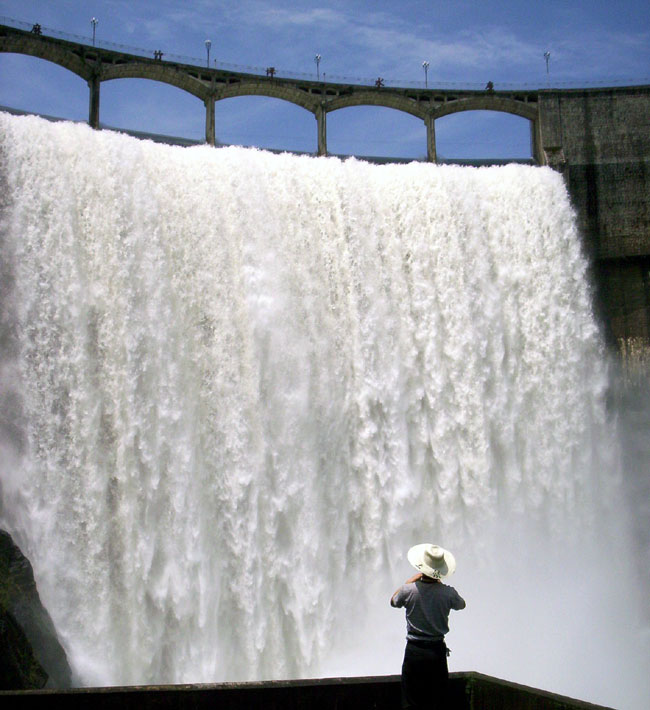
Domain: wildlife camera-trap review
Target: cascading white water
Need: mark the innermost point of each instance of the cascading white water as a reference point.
(243, 384)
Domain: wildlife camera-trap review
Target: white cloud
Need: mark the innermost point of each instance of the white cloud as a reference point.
(468, 50)
(318, 17)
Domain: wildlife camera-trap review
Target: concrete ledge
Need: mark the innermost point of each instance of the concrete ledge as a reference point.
(485, 692)
(468, 691)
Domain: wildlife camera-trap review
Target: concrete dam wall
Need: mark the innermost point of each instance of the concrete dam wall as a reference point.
(600, 139)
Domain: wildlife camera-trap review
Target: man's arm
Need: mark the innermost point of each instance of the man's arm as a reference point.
(410, 580)
(459, 602)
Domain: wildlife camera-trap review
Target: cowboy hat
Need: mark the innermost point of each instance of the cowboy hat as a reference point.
(432, 560)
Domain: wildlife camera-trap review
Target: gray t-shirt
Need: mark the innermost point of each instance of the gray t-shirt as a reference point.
(427, 609)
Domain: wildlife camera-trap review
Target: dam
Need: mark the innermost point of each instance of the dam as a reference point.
(233, 400)
(597, 137)
(224, 408)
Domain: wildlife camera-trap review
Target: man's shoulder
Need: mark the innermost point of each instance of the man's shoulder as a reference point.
(404, 593)
(408, 588)
(448, 588)
(453, 596)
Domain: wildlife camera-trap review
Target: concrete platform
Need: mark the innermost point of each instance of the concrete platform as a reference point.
(469, 691)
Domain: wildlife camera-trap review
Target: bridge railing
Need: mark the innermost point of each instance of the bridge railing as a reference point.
(310, 76)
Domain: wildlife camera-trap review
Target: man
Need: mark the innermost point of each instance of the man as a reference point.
(427, 602)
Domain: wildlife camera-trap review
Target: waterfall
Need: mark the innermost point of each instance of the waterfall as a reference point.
(238, 386)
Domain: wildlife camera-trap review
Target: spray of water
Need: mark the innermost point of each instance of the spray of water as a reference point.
(242, 384)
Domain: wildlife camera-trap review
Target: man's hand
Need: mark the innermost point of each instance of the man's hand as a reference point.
(415, 578)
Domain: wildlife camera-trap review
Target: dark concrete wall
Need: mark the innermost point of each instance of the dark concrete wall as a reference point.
(469, 691)
(600, 138)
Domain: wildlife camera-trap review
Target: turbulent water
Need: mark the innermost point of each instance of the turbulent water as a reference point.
(237, 386)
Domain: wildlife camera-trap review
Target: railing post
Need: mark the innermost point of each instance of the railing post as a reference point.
(93, 110)
(430, 122)
(210, 137)
(321, 118)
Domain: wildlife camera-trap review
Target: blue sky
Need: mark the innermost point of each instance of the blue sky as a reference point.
(466, 42)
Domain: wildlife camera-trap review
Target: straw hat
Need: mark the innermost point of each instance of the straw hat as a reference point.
(432, 560)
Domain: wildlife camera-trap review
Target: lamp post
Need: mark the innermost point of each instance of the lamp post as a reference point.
(94, 22)
(208, 44)
(317, 59)
(425, 66)
(547, 56)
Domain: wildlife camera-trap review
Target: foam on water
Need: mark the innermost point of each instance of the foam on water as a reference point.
(240, 385)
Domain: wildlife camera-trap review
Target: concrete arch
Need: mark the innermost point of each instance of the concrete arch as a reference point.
(165, 74)
(376, 98)
(271, 90)
(487, 103)
(56, 54)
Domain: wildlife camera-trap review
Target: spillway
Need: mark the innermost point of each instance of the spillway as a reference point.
(238, 386)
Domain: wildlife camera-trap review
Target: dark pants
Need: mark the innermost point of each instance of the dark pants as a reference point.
(425, 675)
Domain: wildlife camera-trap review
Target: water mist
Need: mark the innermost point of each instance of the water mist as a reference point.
(241, 385)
